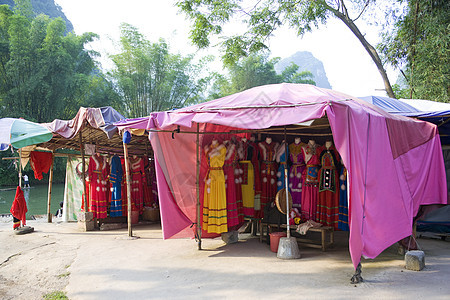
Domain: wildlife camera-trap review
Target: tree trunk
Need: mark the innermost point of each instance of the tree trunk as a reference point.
(369, 48)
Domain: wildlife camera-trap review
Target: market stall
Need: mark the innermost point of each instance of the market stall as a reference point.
(393, 163)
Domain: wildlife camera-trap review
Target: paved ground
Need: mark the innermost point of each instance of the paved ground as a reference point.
(107, 265)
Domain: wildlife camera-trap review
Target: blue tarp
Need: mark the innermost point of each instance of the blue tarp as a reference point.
(430, 111)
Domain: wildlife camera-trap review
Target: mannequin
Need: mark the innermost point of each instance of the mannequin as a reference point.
(282, 160)
(137, 183)
(251, 185)
(328, 203)
(98, 172)
(268, 150)
(296, 171)
(214, 200)
(232, 184)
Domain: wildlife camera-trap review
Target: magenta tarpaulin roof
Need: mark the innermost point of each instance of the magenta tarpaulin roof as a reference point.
(102, 118)
(394, 163)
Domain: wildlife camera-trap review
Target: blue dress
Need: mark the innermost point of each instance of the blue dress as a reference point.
(343, 203)
(280, 174)
(115, 177)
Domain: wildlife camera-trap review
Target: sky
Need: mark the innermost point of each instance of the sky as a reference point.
(347, 64)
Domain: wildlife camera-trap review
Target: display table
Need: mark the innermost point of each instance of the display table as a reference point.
(265, 229)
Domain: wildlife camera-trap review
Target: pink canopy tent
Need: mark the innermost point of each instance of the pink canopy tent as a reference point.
(394, 163)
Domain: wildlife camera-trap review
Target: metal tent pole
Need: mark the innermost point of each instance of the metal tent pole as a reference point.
(197, 184)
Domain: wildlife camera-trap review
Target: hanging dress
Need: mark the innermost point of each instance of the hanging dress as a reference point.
(295, 174)
(310, 184)
(281, 181)
(231, 173)
(98, 174)
(214, 200)
(268, 174)
(115, 178)
(250, 177)
(328, 204)
(137, 183)
(343, 201)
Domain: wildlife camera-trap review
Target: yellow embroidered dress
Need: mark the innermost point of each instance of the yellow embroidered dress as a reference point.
(215, 202)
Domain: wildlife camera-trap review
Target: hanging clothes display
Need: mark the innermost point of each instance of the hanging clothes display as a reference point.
(343, 201)
(310, 185)
(98, 172)
(40, 163)
(148, 195)
(328, 203)
(19, 209)
(281, 158)
(295, 174)
(115, 178)
(232, 176)
(239, 172)
(250, 176)
(268, 173)
(214, 200)
(137, 183)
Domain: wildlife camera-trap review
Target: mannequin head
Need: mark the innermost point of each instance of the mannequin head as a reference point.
(297, 140)
(328, 144)
(268, 140)
(244, 140)
(312, 142)
(214, 142)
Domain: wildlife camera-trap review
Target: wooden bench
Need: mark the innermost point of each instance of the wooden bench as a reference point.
(265, 229)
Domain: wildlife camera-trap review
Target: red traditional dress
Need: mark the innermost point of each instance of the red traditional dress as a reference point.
(328, 205)
(269, 176)
(295, 174)
(232, 176)
(310, 186)
(98, 172)
(138, 182)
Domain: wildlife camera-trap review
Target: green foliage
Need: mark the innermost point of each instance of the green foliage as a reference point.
(56, 295)
(149, 78)
(420, 47)
(255, 70)
(262, 18)
(46, 74)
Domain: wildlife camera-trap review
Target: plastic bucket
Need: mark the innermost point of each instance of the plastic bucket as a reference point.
(275, 240)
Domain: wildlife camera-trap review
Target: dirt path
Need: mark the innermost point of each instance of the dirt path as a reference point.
(107, 265)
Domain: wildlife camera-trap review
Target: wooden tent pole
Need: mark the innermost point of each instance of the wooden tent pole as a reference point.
(127, 172)
(83, 170)
(50, 181)
(197, 184)
(20, 167)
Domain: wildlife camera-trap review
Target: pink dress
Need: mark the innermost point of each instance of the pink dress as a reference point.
(295, 174)
(310, 186)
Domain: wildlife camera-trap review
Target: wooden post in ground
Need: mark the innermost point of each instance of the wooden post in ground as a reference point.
(83, 170)
(20, 167)
(127, 172)
(50, 181)
(197, 185)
